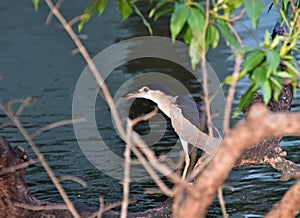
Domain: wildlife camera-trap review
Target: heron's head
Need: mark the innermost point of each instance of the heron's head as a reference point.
(151, 92)
(141, 93)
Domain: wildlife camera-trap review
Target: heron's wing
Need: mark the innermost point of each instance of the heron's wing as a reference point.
(192, 112)
(189, 122)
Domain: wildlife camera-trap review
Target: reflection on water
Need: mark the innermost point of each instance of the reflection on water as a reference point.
(36, 61)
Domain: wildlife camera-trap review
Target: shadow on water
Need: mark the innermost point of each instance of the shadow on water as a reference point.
(36, 61)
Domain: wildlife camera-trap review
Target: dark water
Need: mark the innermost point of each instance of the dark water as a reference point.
(35, 61)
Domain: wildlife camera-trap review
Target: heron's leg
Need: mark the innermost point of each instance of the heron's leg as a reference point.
(186, 156)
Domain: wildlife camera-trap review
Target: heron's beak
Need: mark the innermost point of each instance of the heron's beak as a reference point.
(132, 95)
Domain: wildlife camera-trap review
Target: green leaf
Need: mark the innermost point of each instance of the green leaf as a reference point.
(178, 19)
(247, 96)
(162, 12)
(228, 36)
(275, 82)
(254, 9)
(267, 92)
(194, 52)
(231, 5)
(267, 38)
(253, 60)
(283, 74)
(213, 36)
(153, 10)
(196, 23)
(36, 4)
(101, 7)
(234, 4)
(228, 79)
(292, 67)
(246, 99)
(98, 5)
(187, 35)
(125, 8)
(259, 75)
(276, 92)
(276, 41)
(273, 59)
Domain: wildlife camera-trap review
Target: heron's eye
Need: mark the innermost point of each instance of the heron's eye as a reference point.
(145, 89)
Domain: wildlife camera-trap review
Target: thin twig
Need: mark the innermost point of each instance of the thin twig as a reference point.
(74, 20)
(235, 76)
(155, 163)
(50, 15)
(222, 202)
(9, 105)
(103, 208)
(75, 179)
(41, 207)
(162, 186)
(56, 124)
(231, 91)
(144, 117)
(293, 6)
(24, 104)
(235, 33)
(17, 167)
(204, 70)
(126, 181)
(241, 14)
(142, 160)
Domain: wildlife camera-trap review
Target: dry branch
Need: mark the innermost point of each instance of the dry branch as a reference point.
(289, 206)
(259, 124)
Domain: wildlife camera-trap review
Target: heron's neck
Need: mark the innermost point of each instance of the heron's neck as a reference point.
(163, 102)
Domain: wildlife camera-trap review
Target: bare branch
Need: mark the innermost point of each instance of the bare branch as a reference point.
(231, 91)
(222, 202)
(241, 14)
(50, 15)
(41, 207)
(204, 70)
(260, 123)
(289, 205)
(75, 179)
(145, 117)
(126, 181)
(24, 104)
(17, 167)
(55, 125)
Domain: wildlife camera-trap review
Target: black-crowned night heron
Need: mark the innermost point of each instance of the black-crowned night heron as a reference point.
(188, 119)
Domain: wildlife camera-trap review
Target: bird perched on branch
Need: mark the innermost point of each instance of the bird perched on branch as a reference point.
(188, 119)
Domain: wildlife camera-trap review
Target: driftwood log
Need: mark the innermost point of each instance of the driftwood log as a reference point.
(268, 150)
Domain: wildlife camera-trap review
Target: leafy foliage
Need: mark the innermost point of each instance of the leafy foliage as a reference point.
(266, 64)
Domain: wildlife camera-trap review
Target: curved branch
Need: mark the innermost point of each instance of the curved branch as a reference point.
(259, 124)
